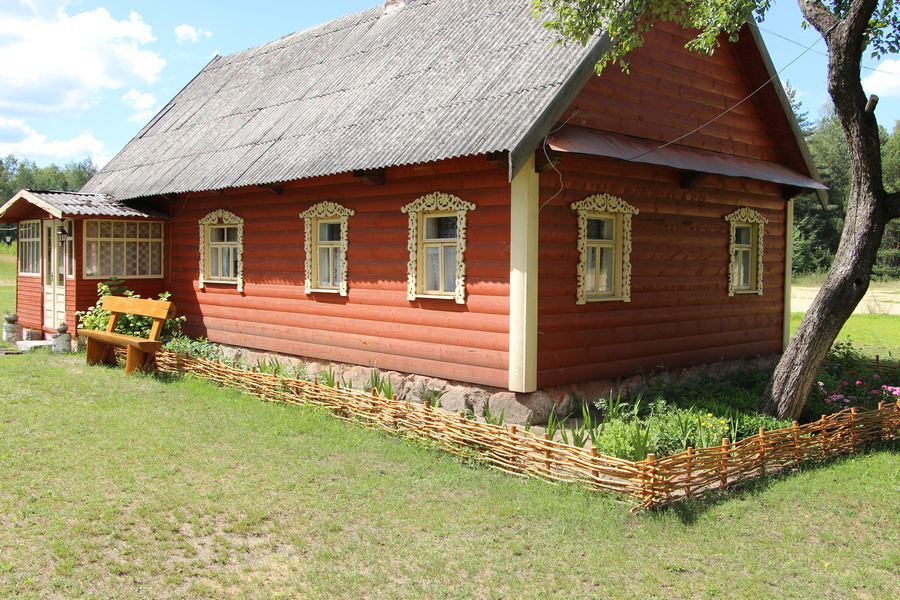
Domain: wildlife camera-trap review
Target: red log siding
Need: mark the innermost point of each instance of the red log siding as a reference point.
(375, 323)
(671, 91)
(30, 300)
(680, 312)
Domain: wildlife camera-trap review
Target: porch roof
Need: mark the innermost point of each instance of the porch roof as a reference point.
(67, 205)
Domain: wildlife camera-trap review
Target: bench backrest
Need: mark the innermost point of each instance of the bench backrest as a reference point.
(159, 310)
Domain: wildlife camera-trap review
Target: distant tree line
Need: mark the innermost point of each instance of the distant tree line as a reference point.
(18, 174)
(817, 231)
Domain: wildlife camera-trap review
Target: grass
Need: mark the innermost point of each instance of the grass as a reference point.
(7, 282)
(873, 335)
(134, 487)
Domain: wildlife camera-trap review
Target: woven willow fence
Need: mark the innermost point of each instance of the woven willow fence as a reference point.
(652, 482)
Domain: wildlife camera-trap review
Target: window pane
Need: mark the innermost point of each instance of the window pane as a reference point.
(449, 267)
(742, 235)
(440, 228)
(745, 268)
(600, 229)
(216, 235)
(156, 230)
(324, 266)
(118, 259)
(230, 234)
(143, 230)
(90, 259)
(118, 229)
(105, 259)
(105, 229)
(226, 262)
(590, 269)
(156, 258)
(143, 258)
(214, 262)
(130, 229)
(90, 229)
(131, 257)
(605, 276)
(329, 232)
(432, 268)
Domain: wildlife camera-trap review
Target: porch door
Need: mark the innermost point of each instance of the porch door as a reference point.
(54, 274)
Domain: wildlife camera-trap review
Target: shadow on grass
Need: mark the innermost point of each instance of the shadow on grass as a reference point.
(688, 511)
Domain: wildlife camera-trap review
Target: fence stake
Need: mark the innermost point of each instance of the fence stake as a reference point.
(647, 475)
(689, 463)
(723, 478)
(798, 452)
(824, 424)
(762, 451)
(853, 429)
(547, 452)
(594, 473)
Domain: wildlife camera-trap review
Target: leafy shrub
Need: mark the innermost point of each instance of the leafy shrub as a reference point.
(199, 347)
(136, 325)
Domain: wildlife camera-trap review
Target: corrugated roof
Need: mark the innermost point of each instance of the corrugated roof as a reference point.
(434, 80)
(69, 204)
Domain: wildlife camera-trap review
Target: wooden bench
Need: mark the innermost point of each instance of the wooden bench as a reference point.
(141, 352)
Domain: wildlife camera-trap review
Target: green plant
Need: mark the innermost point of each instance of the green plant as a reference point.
(493, 419)
(432, 397)
(199, 347)
(327, 377)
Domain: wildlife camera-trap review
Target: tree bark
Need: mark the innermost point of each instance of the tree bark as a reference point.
(869, 209)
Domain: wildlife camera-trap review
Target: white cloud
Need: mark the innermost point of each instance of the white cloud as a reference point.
(885, 81)
(52, 63)
(189, 33)
(18, 138)
(139, 100)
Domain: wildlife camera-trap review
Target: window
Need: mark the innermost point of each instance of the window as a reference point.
(132, 249)
(221, 249)
(70, 248)
(325, 226)
(437, 243)
(30, 248)
(745, 272)
(604, 249)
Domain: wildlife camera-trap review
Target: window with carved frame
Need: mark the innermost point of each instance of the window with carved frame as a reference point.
(437, 245)
(604, 249)
(745, 250)
(326, 226)
(222, 249)
(29, 246)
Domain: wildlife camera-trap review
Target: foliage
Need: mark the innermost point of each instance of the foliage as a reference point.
(199, 347)
(137, 325)
(18, 174)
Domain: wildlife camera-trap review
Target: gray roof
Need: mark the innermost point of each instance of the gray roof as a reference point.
(432, 80)
(72, 204)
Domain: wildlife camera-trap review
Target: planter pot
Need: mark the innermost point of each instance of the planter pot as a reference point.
(11, 318)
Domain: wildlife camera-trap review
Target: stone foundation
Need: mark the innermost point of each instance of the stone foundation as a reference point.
(517, 408)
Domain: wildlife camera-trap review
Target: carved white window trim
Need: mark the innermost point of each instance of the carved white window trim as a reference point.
(436, 202)
(311, 217)
(606, 205)
(748, 217)
(226, 218)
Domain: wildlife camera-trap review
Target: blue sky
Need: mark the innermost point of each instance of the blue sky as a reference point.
(81, 77)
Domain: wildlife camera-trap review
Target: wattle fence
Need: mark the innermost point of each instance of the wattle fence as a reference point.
(653, 482)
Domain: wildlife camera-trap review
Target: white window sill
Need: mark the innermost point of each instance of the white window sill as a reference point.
(436, 296)
(604, 299)
(220, 281)
(322, 291)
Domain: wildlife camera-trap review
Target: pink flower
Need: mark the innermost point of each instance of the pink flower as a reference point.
(844, 383)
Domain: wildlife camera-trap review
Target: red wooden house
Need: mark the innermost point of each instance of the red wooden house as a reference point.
(434, 188)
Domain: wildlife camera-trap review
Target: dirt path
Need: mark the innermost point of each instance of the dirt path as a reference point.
(881, 299)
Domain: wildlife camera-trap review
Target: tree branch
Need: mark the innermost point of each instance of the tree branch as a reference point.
(818, 15)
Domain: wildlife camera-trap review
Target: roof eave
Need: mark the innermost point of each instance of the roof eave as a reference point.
(31, 199)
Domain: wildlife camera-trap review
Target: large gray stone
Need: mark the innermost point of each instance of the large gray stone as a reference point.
(520, 408)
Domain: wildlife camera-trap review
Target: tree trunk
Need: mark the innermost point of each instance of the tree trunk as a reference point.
(869, 209)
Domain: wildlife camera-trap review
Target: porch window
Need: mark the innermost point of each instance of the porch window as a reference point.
(604, 249)
(437, 244)
(221, 249)
(30, 248)
(325, 226)
(745, 273)
(132, 249)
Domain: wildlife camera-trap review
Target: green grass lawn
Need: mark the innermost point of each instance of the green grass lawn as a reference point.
(873, 335)
(7, 282)
(133, 487)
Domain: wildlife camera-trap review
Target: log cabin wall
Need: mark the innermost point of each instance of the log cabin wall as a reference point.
(375, 324)
(680, 312)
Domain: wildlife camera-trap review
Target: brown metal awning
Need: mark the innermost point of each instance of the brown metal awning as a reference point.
(580, 140)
